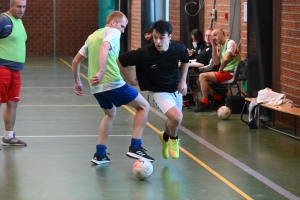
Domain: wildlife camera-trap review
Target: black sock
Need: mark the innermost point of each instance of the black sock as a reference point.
(174, 138)
(165, 137)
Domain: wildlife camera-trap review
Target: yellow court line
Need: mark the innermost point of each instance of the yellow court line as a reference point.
(189, 154)
(62, 60)
(200, 162)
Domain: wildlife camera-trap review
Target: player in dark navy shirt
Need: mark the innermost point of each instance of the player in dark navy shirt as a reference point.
(158, 72)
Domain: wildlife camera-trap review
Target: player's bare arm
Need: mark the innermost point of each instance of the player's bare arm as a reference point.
(76, 74)
(182, 86)
(103, 52)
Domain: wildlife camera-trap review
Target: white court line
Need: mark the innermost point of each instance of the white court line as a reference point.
(234, 161)
(67, 136)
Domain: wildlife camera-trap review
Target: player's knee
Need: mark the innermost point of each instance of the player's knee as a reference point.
(111, 113)
(145, 107)
(12, 104)
(202, 77)
(176, 119)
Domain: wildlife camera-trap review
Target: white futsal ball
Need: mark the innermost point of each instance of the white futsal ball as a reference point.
(224, 112)
(142, 168)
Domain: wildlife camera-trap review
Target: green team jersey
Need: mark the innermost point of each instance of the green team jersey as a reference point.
(112, 72)
(233, 61)
(13, 47)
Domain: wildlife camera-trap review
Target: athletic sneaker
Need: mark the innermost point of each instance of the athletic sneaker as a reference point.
(137, 153)
(201, 107)
(12, 141)
(174, 148)
(165, 146)
(97, 159)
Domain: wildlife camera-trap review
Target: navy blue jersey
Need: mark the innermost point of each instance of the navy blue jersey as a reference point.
(157, 72)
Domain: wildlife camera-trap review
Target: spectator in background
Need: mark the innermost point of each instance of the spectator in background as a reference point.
(198, 43)
(205, 55)
(148, 35)
(226, 53)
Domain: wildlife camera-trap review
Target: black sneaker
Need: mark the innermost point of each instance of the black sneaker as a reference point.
(100, 159)
(137, 153)
(12, 141)
(201, 107)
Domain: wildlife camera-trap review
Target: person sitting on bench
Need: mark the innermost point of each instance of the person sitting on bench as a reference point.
(227, 55)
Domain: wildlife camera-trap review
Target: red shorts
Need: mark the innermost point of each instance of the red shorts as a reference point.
(223, 76)
(10, 84)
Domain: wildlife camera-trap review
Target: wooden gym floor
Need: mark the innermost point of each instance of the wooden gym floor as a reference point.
(219, 159)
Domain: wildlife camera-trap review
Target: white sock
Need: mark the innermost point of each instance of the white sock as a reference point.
(8, 134)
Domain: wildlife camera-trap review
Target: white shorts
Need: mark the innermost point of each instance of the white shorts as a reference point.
(165, 100)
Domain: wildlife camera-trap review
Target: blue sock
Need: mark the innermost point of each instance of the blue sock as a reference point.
(136, 142)
(101, 149)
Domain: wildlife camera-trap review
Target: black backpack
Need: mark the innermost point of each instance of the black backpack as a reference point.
(243, 70)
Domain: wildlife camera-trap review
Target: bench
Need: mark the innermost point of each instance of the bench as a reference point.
(284, 108)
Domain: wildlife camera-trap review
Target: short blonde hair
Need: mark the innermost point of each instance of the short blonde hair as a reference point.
(115, 15)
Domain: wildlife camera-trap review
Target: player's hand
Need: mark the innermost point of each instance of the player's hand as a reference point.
(182, 88)
(78, 89)
(190, 51)
(94, 80)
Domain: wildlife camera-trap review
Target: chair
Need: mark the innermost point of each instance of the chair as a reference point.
(232, 82)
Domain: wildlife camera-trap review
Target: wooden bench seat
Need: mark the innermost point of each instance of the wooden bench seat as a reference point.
(284, 108)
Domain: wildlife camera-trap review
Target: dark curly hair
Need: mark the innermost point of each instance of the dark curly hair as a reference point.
(198, 35)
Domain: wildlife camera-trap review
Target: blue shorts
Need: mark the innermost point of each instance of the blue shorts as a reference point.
(116, 97)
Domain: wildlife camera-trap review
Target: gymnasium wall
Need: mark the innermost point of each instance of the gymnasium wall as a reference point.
(135, 24)
(175, 18)
(75, 20)
(222, 7)
(289, 58)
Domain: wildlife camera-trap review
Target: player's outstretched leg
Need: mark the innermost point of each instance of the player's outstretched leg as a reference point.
(165, 144)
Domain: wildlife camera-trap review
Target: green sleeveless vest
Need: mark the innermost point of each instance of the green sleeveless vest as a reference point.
(112, 72)
(233, 61)
(13, 47)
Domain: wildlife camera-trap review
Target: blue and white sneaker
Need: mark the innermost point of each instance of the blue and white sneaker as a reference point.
(139, 152)
(98, 160)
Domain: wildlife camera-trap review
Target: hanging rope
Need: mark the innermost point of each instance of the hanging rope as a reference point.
(195, 3)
